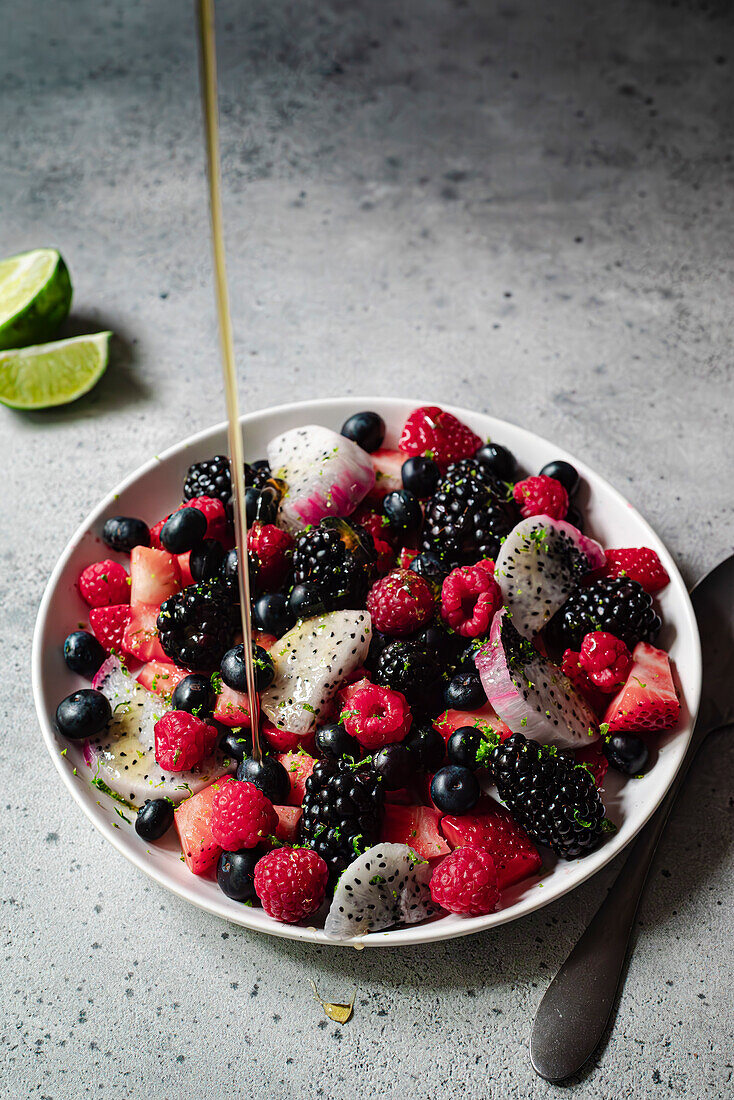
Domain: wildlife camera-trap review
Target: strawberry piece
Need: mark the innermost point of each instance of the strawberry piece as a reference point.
(140, 637)
(154, 575)
(388, 473)
(496, 831)
(299, 766)
(431, 431)
(162, 677)
(108, 626)
(193, 821)
(648, 700)
(640, 564)
(416, 826)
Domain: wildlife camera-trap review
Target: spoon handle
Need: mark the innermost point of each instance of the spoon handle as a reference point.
(573, 1014)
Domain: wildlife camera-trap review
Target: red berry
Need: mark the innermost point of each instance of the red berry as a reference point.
(571, 667)
(470, 596)
(376, 716)
(640, 564)
(104, 583)
(406, 557)
(291, 883)
(108, 625)
(605, 660)
(155, 534)
(182, 741)
(272, 548)
(374, 522)
(466, 882)
(593, 758)
(541, 496)
(385, 557)
(495, 830)
(400, 603)
(439, 435)
(216, 518)
(241, 815)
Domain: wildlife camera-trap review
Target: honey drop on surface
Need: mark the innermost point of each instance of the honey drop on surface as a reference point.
(339, 1013)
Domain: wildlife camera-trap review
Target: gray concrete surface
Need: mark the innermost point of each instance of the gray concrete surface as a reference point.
(518, 206)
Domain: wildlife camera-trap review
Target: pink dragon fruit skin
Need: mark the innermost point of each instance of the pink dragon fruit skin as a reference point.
(540, 563)
(530, 693)
(326, 474)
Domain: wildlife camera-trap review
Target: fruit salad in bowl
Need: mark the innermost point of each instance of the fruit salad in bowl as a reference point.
(460, 675)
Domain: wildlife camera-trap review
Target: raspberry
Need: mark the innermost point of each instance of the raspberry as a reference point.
(571, 667)
(433, 432)
(104, 583)
(376, 716)
(401, 603)
(541, 496)
(605, 659)
(374, 522)
(291, 883)
(182, 741)
(470, 596)
(216, 519)
(406, 557)
(241, 816)
(272, 550)
(466, 882)
(108, 625)
(639, 564)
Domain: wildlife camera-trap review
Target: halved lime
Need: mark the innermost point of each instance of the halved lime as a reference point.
(52, 374)
(35, 295)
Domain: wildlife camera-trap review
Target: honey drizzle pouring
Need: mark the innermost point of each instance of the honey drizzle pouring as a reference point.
(208, 60)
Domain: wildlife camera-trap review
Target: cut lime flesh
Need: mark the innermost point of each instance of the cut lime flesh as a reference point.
(52, 374)
(35, 296)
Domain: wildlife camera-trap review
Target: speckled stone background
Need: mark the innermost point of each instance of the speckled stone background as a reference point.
(518, 206)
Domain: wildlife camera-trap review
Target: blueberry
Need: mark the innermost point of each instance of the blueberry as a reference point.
(83, 714)
(498, 460)
(365, 428)
(261, 505)
(272, 614)
(455, 790)
(305, 601)
(228, 572)
(205, 560)
(335, 741)
(194, 694)
(428, 744)
(563, 472)
(268, 775)
(261, 467)
(234, 672)
(125, 533)
(83, 653)
(420, 476)
(429, 566)
(154, 818)
(396, 765)
(403, 512)
(463, 747)
(574, 517)
(236, 874)
(183, 530)
(627, 753)
(378, 642)
(464, 692)
(236, 743)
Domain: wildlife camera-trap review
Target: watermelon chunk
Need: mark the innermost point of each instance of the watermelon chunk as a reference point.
(140, 637)
(299, 766)
(388, 472)
(287, 827)
(484, 718)
(496, 831)
(232, 708)
(648, 700)
(161, 677)
(154, 575)
(184, 569)
(416, 826)
(193, 825)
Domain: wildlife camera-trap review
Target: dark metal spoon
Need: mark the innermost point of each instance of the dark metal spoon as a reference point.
(573, 1015)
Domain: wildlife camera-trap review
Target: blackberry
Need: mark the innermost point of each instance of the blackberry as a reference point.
(618, 605)
(336, 559)
(554, 798)
(410, 667)
(196, 627)
(469, 515)
(212, 478)
(342, 811)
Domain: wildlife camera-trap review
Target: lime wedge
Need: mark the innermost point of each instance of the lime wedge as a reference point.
(52, 374)
(35, 295)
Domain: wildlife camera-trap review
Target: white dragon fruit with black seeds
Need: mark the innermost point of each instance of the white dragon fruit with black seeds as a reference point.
(311, 662)
(326, 474)
(531, 694)
(387, 885)
(123, 755)
(541, 562)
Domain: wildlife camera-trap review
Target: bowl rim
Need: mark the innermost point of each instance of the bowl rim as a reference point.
(431, 932)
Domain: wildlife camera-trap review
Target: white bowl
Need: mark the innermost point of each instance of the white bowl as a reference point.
(155, 489)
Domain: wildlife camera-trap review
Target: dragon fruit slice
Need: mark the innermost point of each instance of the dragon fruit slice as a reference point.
(531, 694)
(386, 885)
(325, 474)
(122, 757)
(539, 565)
(311, 661)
